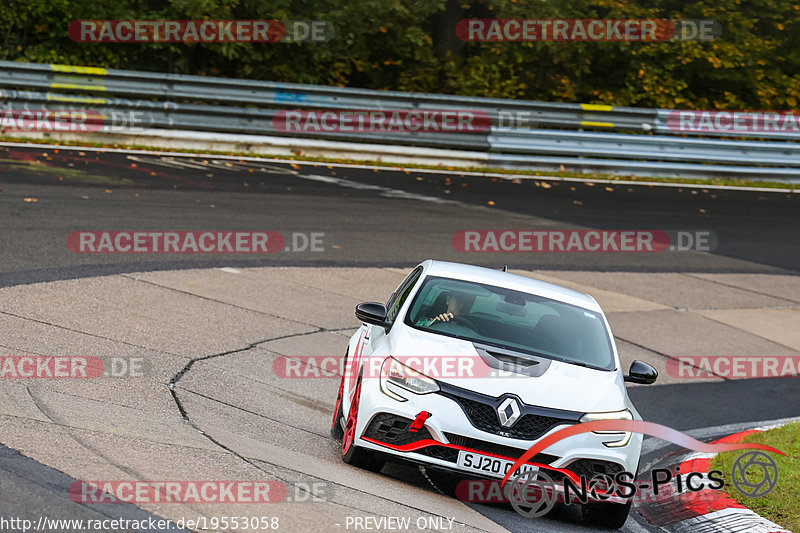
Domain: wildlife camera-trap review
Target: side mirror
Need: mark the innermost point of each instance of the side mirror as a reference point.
(371, 313)
(641, 372)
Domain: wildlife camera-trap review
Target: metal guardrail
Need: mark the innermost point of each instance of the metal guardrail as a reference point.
(224, 119)
(661, 126)
(647, 147)
(544, 135)
(179, 87)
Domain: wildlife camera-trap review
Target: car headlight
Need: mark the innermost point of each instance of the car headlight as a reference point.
(624, 436)
(396, 374)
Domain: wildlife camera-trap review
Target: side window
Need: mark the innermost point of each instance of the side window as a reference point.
(399, 296)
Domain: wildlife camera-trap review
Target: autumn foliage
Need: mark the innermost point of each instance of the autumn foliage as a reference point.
(411, 45)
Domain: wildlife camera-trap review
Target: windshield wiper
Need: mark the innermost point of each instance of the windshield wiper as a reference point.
(578, 363)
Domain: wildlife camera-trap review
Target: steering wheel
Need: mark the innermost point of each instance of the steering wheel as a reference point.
(464, 321)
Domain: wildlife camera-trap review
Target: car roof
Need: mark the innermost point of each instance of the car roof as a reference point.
(507, 280)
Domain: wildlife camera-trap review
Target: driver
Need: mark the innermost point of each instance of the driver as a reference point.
(458, 304)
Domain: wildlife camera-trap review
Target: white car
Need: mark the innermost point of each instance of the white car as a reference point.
(539, 358)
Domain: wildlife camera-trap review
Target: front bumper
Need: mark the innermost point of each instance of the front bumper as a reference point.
(449, 430)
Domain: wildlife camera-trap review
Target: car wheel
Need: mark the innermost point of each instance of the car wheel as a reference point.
(352, 454)
(336, 426)
(607, 515)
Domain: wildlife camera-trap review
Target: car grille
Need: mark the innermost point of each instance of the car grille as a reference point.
(591, 467)
(497, 449)
(482, 414)
(393, 429)
(442, 453)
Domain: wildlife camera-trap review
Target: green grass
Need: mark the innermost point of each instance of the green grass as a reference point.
(782, 505)
(725, 182)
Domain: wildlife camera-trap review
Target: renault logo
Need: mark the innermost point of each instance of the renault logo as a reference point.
(508, 412)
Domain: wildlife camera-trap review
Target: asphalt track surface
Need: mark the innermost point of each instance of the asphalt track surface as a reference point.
(376, 218)
(370, 217)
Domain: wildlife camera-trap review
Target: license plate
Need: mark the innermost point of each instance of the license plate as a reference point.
(490, 466)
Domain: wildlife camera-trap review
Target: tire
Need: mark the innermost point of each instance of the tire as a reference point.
(352, 454)
(606, 515)
(337, 433)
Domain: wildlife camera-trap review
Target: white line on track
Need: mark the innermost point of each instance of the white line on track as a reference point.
(652, 444)
(403, 169)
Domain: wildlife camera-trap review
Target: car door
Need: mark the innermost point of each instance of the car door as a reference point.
(370, 336)
(373, 335)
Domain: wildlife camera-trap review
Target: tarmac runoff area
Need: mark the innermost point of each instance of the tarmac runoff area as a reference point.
(244, 423)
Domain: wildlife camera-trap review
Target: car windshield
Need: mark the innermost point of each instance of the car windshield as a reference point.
(512, 319)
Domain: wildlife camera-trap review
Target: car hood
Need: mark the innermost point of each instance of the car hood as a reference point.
(561, 386)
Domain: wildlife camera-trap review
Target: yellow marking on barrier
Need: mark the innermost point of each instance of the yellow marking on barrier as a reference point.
(596, 107)
(81, 99)
(598, 124)
(79, 70)
(76, 86)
